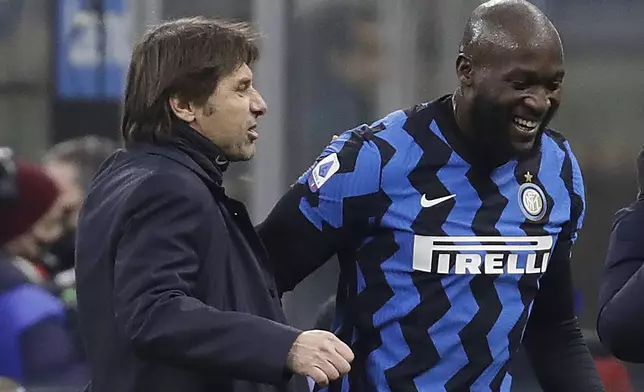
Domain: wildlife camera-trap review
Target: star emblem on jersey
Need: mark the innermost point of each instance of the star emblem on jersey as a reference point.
(532, 201)
(323, 171)
(528, 177)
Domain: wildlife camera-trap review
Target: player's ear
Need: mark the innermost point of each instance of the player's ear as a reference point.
(464, 69)
(182, 108)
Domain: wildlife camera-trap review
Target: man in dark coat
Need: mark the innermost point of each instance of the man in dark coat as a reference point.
(175, 290)
(620, 321)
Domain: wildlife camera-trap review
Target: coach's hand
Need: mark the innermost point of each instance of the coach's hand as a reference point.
(319, 355)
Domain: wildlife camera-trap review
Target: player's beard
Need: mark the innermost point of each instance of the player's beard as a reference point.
(493, 121)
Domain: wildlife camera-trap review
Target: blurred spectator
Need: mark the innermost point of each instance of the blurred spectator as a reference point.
(612, 371)
(72, 164)
(35, 344)
(336, 66)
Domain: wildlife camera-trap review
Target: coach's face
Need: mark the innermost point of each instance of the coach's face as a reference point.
(517, 91)
(229, 116)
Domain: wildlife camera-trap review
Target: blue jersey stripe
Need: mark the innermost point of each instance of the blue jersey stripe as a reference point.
(549, 173)
(405, 297)
(434, 302)
(464, 306)
(577, 185)
(506, 285)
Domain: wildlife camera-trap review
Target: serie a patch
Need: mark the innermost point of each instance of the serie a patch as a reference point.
(323, 171)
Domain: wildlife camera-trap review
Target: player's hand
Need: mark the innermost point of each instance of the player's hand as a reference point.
(319, 355)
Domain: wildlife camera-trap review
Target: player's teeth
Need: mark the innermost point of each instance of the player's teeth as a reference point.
(526, 123)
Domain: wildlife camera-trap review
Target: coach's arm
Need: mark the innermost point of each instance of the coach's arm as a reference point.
(620, 323)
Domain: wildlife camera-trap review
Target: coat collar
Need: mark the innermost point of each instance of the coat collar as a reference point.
(213, 179)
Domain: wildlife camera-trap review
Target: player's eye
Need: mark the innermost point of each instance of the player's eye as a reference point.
(243, 87)
(554, 86)
(520, 84)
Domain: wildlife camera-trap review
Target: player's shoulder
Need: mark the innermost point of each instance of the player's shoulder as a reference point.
(370, 139)
(391, 123)
(561, 143)
(380, 140)
(571, 170)
(359, 152)
(558, 139)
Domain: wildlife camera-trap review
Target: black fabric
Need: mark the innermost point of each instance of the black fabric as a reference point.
(620, 322)
(201, 150)
(561, 360)
(552, 339)
(175, 292)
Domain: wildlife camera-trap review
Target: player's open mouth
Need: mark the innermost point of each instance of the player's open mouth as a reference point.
(526, 126)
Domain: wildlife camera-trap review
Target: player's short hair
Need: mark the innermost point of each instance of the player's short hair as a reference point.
(85, 153)
(186, 58)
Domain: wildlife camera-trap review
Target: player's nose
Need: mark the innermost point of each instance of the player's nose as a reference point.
(538, 101)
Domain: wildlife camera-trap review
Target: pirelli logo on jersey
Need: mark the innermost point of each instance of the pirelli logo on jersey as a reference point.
(482, 255)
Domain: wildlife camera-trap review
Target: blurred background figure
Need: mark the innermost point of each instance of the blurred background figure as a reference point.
(36, 346)
(335, 66)
(73, 164)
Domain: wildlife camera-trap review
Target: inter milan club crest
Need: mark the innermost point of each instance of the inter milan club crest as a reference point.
(532, 200)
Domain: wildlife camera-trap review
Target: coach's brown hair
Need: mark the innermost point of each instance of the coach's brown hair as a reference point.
(186, 58)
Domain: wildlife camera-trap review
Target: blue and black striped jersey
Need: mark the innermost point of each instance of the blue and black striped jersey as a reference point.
(441, 258)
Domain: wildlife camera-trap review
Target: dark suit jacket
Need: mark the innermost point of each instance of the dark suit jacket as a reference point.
(620, 324)
(175, 291)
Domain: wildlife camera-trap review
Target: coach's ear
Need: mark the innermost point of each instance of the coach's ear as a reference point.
(182, 108)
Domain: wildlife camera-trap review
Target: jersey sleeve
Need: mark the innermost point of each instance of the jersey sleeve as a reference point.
(575, 184)
(577, 196)
(554, 304)
(347, 171)
(552, 338)
(331, 205)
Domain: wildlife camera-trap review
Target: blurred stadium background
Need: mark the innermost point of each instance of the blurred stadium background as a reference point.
(327, 66)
